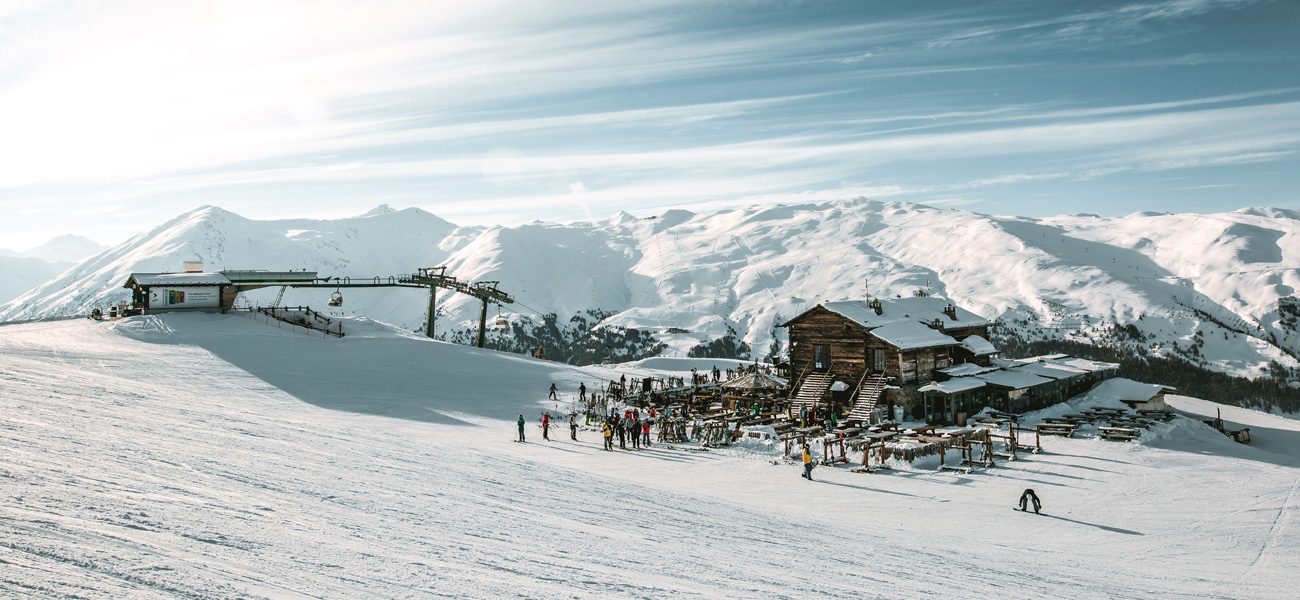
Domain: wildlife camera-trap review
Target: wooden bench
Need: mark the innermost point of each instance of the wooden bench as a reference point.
(1160, 415)
(1099, 410)
(847, 432)
(1006, 416)
(1061, 429)
(924, 429)
(1119, 434)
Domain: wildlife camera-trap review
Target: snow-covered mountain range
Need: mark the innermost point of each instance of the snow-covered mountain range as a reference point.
(25, 270)
(1216, 288)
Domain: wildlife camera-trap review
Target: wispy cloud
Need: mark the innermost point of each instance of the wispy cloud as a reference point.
(1094, 25)
(492, 110)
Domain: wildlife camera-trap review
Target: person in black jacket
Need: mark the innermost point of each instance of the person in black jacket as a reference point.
(1027, 497)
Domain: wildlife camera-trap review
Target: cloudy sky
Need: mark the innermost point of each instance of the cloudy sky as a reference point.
(117, 115)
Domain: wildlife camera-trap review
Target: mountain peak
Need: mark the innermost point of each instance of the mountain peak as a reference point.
(623, 217)
(382, 209)
(1269, 212)
(66, 248)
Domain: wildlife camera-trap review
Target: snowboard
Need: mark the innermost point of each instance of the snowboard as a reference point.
(1017, 509)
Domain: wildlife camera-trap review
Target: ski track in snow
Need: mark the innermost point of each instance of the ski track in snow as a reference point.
(134, 469)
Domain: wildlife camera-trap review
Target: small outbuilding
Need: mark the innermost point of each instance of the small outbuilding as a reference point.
(1135, 394)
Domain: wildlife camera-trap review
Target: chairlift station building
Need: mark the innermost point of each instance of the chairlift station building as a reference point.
(197, 290)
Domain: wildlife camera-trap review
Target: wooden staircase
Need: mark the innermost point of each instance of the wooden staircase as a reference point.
(812, 390)
(868, 396)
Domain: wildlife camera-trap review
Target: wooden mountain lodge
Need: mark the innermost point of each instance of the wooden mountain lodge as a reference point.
(919, 358)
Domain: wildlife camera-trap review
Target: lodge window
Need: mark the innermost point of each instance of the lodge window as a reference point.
(878, 360)
(821, 356)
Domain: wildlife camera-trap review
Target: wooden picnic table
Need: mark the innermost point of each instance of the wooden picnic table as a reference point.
(1163, 415)
(1105, 410)
(847, 431)
(1065, 429)
(997, 414)
(1118, 433)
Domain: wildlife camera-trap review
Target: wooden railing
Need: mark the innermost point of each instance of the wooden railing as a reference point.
(304, 316)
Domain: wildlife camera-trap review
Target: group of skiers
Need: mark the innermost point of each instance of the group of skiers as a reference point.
(546, 427)
(628, 428)
(631, 428)
(698, 378)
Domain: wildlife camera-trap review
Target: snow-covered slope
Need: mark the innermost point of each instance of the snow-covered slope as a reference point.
(18, 275)
(197, 456)
(22, 271)
(1211, 287)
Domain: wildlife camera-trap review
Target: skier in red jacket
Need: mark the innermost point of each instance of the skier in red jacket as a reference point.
(546, 426)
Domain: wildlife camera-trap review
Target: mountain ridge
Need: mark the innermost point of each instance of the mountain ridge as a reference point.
(1210, 287)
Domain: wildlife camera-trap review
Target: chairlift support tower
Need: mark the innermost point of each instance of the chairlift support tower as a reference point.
(485, 291)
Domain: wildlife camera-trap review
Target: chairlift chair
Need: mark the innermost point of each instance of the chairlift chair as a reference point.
(336, 299)
(501, 323)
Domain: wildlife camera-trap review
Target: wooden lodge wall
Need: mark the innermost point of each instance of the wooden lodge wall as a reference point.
(848, 343)
(852, 349)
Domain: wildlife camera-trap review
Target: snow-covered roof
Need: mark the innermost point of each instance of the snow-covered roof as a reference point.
(1122, 389)
(1091, 366)
(978, 346)
(1013, 379)
(965, 369)
(177, 279)
(919, 309)
(953, 386)
(911, 335)
(1050, 371)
